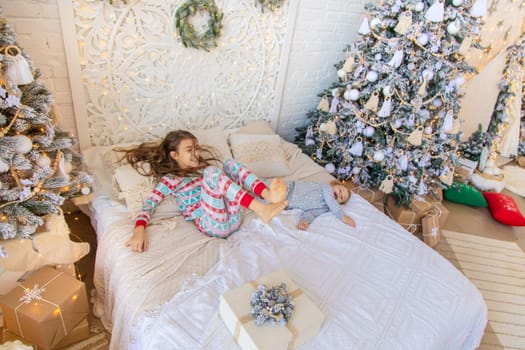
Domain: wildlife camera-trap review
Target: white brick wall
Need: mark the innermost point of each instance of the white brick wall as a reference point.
(38, 31)
(322, 31)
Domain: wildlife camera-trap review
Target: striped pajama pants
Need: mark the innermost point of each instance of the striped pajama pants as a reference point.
(223, 195)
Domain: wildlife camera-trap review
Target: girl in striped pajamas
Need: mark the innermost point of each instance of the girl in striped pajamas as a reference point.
(211, 197)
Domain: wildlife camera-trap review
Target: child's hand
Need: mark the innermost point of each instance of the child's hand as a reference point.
(138, 242)
(348, 220)
(303, 225)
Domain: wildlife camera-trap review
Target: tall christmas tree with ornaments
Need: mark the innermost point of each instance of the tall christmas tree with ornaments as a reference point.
(39, 167)
(390, 121)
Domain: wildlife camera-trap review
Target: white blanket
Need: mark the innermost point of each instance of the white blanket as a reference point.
(378, 285)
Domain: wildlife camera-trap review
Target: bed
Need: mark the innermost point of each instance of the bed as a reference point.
(378, 286)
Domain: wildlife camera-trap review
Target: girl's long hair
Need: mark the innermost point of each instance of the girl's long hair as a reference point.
(153, 158)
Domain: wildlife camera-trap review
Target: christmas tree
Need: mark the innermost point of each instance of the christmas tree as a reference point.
(391, 118)
(473, 147)
(39, 168)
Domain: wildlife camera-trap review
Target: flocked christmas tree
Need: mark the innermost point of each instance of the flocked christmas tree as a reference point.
(39, 168)
(391, 118)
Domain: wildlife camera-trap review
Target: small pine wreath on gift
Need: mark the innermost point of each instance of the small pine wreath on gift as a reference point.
(186, 31)
(270, 4)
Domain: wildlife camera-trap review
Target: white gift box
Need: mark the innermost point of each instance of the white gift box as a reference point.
(235, 310)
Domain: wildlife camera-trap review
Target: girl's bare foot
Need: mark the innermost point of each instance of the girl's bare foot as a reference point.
(267, 211)
(278, 190)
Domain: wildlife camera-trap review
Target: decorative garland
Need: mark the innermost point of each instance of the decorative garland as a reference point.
(273, 305)
(270, 4)
(186, 31)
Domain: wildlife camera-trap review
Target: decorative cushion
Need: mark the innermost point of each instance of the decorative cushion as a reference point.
(262, 154)
(134, 189)
(464, 194)
(504, 209)
(52, 242)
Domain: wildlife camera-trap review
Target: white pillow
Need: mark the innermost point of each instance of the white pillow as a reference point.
(134, 189)
(216, 138)
(262, 154)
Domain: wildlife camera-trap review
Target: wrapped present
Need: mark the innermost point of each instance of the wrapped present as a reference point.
(411, 217)
(432, 224)
(69, 269)
(77, 334)
(46, 307)
(235, 310)
(431, 229)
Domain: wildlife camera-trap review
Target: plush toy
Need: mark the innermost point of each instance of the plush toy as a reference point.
(50, 246)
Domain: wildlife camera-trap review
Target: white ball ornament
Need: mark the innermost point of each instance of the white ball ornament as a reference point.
(330, 168)
(369, 131)
(398, 123)
(352, 94)
(23, 144)
(378, 57)
(418, 7)
(457, 2)
(460, 80)
(411, 66)
(85, 190)
(422, 39)
(427, 74)
(453, 28)
(428, 130)
(341, 73)
(437, 102)
(379, 156)
(387, 91)
(43, 161)
(356, 170)
(372, 76)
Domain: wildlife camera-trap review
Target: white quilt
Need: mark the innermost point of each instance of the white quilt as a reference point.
(378, 285)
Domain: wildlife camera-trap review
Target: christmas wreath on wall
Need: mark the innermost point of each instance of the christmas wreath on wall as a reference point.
(186, 31)
(270, 4)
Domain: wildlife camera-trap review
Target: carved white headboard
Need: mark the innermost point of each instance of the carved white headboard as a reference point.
(132, 79)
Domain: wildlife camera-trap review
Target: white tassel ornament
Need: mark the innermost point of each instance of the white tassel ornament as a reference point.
(397, 59)
(436, 12)
(386, 108)
(18, 70)
(364, 28)
(357, 148)
(447, 123)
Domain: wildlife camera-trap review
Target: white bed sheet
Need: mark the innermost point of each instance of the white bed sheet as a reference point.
(378, 285)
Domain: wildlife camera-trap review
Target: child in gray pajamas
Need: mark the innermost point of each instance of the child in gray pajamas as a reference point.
(316, 198)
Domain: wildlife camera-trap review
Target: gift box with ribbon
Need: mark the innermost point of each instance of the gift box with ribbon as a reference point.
(46, 307)
(77, 334)
(431, 229)
(235, 310)
(409, 218)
